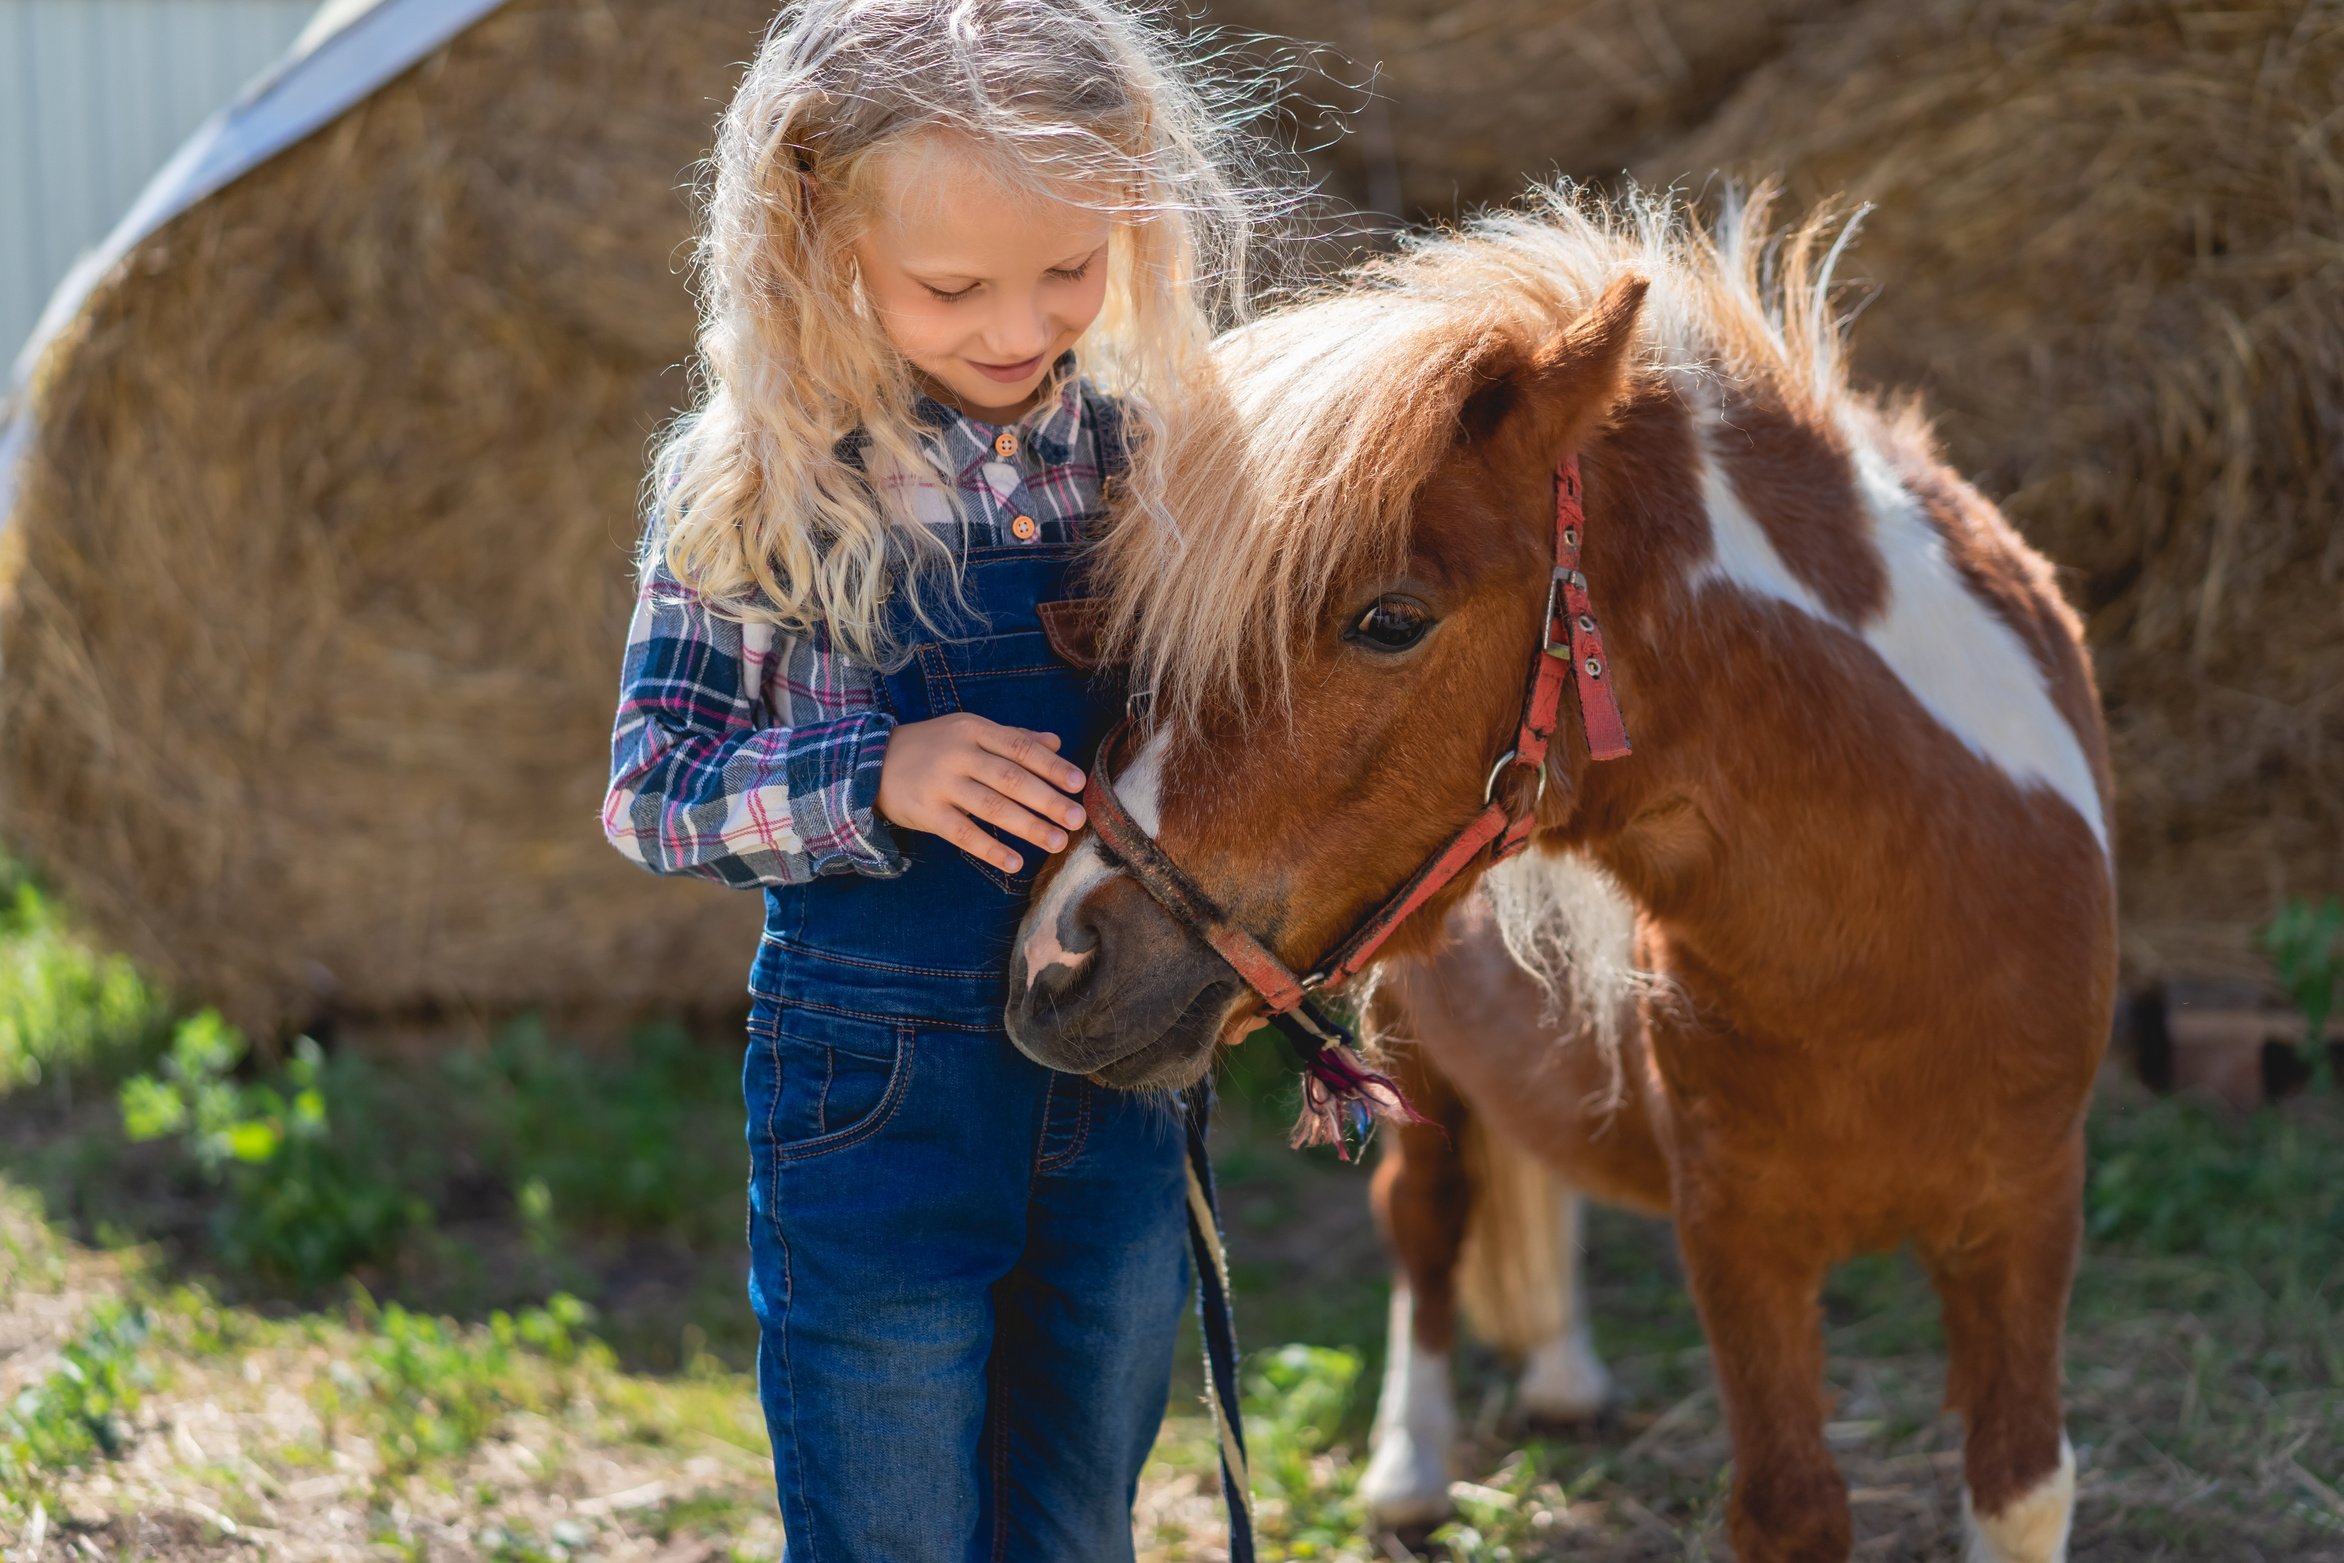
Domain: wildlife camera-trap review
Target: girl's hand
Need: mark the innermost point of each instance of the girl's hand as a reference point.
(942, 776)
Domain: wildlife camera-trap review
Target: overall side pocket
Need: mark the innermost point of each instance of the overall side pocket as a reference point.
(819, 1082)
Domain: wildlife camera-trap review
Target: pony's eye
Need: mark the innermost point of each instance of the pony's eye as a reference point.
(1393, 624)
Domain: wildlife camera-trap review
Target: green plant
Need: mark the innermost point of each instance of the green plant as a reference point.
(1296, 1398)
(63, 1007)
(78, 1412)
(619, 1142)
(2263, 1197)
(2306, 945)
(298, 1202)
(431, 1389)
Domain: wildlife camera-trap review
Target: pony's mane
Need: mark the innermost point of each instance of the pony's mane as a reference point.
(1330, 412)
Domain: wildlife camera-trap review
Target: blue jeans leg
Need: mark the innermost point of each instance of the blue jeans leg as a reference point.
(967, 1273)
(1085, 1329)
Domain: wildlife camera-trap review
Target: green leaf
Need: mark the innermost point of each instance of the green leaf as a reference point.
(204, 1047)
(2306, 946)
(255, 1140)
(151, 1109)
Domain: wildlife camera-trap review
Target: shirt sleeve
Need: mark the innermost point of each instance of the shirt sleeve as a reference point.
(704, 781)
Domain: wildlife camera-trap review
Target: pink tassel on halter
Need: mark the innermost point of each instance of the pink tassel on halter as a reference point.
(1337, 1085)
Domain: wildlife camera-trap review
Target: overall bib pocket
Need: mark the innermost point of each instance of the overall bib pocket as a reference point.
(817, 1082)
(1016, 679)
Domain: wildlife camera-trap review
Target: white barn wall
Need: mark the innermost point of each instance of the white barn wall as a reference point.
(95, 95)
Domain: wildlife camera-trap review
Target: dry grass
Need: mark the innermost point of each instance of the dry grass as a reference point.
(1468, 97)
(269, 1439)
(2205, 1394)
(310, 607)
(325, 545)
(2106, 244)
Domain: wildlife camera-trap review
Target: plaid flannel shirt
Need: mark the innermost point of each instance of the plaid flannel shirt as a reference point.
(751, 757)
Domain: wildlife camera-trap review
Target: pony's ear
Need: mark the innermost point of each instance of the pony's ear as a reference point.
(1546, 397)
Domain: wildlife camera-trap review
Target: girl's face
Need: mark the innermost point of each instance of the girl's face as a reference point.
(978, 286)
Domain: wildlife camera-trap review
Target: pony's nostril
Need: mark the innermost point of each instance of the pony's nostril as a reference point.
(1054, 986)
(1058, 960)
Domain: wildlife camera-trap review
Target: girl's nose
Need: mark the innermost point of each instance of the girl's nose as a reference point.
(1019, 332)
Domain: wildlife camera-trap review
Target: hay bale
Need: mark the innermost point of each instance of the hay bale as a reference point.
(320, 565)
(310, 601)
(1470, 96)
(2106, 239)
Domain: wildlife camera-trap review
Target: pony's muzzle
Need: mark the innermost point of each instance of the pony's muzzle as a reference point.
(1104, 983)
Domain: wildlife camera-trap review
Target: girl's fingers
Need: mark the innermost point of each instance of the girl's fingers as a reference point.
(994, 809)
(1035, 752)
(963, 833)
(1014, 781)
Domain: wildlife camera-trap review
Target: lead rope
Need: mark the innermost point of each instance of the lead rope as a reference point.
(1219, 1324)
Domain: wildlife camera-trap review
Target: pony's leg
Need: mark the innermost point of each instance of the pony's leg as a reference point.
(1422, 1197)
(1563, 1380)
(1518, 1280)
(2004, 1287)
(1758, 1298)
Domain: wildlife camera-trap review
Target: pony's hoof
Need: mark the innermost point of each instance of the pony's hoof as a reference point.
(1564, 1384)
(1406, 1485)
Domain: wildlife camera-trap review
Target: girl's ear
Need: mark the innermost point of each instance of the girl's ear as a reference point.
(1543, 399)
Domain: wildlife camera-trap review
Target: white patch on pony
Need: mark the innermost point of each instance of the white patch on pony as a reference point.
(1141, 787)
(1967, 668)
(1740, 552)
(2031, 1528)
(1407, 1478)
(1043, 949)
(1563, 1380)
(1572, 928)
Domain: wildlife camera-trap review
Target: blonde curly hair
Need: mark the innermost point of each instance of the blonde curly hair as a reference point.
(752, 509)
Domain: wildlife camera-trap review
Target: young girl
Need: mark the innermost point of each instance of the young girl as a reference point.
(967, 1270)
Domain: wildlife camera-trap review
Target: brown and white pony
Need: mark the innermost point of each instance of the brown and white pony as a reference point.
(1864, 829)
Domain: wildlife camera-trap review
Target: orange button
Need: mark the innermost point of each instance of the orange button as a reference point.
(1005, 444)
(1024, 528)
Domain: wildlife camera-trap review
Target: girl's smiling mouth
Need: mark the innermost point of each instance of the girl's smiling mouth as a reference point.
(1008, 374)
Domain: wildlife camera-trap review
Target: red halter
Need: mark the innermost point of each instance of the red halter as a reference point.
(1568, 638)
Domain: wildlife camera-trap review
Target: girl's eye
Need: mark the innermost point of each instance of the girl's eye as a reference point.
(953, 297)
(1072, 273)
(1393, 624)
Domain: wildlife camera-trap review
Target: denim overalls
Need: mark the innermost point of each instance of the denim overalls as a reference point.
(968, 1269)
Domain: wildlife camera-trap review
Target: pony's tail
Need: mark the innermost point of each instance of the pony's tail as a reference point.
(1511, 1271)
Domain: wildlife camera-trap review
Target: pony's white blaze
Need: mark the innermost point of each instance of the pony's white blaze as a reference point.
(2033, 1527)
(1965, 666)
(1407, 1477)
(1142, 791)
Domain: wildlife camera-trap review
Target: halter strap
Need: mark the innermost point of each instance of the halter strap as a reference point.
(1569, 638)
(1129, 844)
